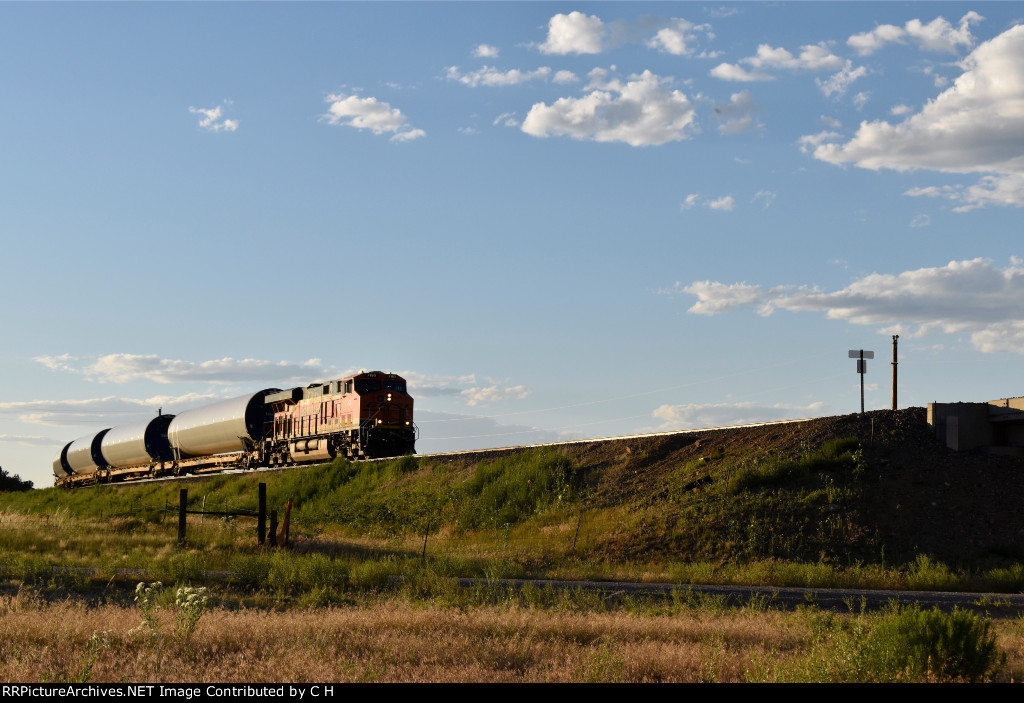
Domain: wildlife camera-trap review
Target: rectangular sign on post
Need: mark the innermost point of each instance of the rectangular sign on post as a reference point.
(856, 354)
(862, 366)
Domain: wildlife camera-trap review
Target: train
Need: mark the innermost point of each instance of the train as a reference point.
(367, 415)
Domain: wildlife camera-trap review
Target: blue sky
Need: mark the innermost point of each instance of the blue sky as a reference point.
(558, 220)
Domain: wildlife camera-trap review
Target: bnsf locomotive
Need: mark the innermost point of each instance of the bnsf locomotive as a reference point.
(368, 415)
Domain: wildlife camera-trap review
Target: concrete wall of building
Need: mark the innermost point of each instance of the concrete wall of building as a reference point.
(996, 424)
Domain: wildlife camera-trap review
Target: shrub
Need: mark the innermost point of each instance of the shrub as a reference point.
(928, 645)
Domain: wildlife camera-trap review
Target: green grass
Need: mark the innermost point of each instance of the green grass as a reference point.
(756, 518)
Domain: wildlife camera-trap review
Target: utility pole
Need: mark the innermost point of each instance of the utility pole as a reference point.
(894, 364)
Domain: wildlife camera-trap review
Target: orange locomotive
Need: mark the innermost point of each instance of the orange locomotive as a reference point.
(364, 416)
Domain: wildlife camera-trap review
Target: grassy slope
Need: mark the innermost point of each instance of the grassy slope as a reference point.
(836, 491)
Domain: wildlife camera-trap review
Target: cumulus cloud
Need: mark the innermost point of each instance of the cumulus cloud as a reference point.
(643, 111)
(577, 33)
(434, 385)
(695, 416)
(732, 72)
(369, 113)
(975, 126)
(212, 120)
(494, 394)
(725, 203)
(938, 35)
(678, 37)
(492, 77)
(486, 51)
(574, 33)
(737, 115)
(813, 57)
(124, 368)
(465, 386)
(973, 296)
(715, 298)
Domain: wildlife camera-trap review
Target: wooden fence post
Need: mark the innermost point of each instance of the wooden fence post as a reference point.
(287, 521)
(273, 528)
(261, 519)
(182, 503)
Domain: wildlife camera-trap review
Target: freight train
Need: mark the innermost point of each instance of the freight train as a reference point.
(367, 415)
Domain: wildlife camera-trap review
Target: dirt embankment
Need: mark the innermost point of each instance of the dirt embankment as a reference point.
(918, 496)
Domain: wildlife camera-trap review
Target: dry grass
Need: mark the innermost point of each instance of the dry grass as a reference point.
(397, 640)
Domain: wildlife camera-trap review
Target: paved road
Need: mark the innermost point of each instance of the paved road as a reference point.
(997, 605)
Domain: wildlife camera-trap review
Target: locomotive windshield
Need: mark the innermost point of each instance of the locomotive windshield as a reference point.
(367, 385)
(394, 386)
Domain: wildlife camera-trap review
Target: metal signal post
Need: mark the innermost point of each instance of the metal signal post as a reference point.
(862, 368)
(894, 364)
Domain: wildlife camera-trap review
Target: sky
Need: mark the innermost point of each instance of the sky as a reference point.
(556, 220)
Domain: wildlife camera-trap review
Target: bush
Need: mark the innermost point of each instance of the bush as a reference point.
(929, 645)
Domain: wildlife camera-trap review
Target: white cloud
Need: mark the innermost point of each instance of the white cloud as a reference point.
(975, 126)
(493, 394)
(837, 83)
(577, 33)
(732, 72)
(830, 122)
(695, 416)
(433, 385)
(486, 51)
(124, 368)
(900, 110)
(677, 38)
(564, 77)
(715, 298)
(211, 119)
(813, 57)
(937, 35)
(422, 385)
(972, 297)
(861, 99)
(767, 196)
(574, 33)
(810, 141)
(508, 119)
(870, 42)
(645, 112)
(492, 77)
(920, 220)
(369, 113)
(724, 203)
(737, 115)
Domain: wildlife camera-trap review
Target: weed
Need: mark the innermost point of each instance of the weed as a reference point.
(191, 604)
(97, 643)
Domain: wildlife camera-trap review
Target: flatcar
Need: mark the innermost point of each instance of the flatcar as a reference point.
(366, 415)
